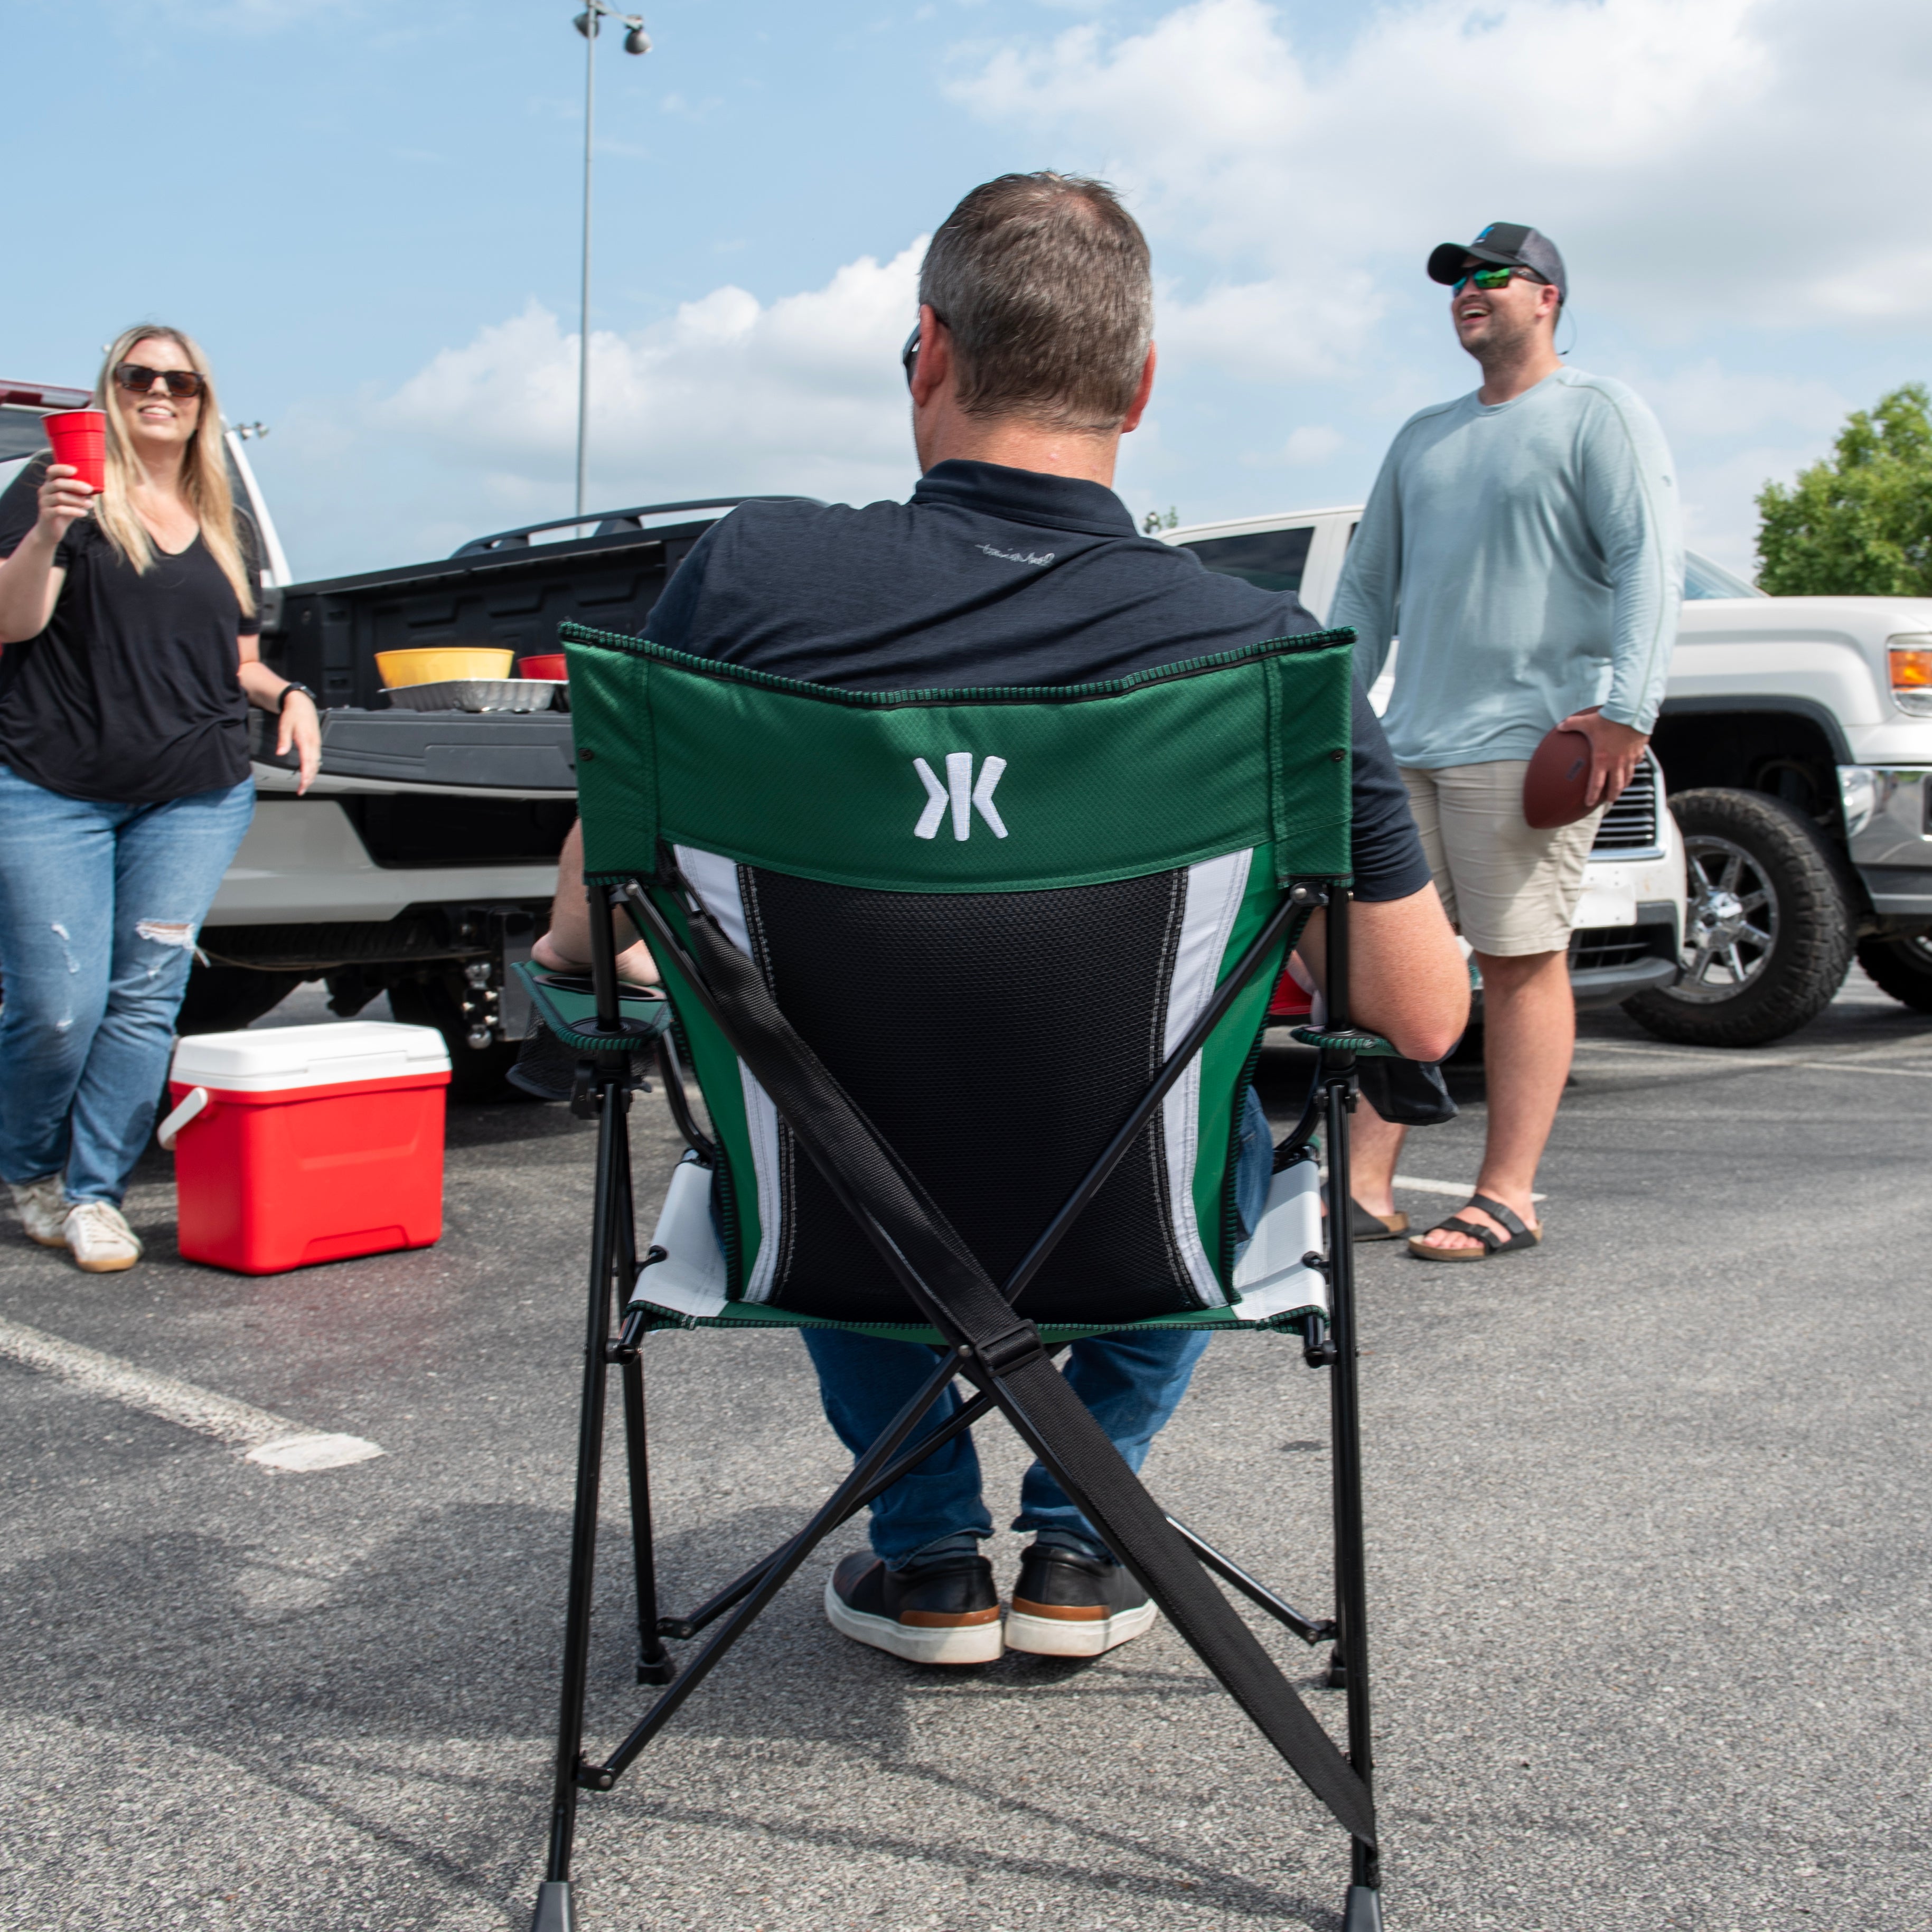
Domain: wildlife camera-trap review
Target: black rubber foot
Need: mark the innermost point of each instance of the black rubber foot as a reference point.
(553, 1912)
(1337, 1679)
(1363, 1911)
(660, 1672)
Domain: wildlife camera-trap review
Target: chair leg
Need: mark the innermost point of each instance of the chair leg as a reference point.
(773, 1578)
(654, 1664)
(1351, 1655)
(608, 1241)
(1364, 1911)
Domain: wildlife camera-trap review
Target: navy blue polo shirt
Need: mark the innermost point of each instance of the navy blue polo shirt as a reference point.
(993, 576)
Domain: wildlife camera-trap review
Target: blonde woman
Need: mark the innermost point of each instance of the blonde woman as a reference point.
(129, 654)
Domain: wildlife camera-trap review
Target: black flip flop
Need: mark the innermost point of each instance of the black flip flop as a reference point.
(1520, 1235)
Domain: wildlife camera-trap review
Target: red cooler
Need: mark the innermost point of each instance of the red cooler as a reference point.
(297, 1144)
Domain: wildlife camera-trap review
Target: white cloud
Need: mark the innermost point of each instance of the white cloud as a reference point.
(728, 396)
(1693, 154)
(1706, 400)
(1731, 181)
(804, 394)
(1312, 444)
(1271, 330)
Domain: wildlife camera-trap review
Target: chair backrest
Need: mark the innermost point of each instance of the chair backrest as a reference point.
(992, 913)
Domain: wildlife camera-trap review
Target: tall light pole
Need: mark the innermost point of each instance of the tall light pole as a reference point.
(636, 41)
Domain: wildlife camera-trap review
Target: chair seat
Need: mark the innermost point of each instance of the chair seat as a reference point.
(686, 1289)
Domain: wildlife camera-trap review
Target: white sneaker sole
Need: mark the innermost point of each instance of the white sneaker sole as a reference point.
(949, 1643)
(105, 1264)
(1069, 1637)
(47, 1241)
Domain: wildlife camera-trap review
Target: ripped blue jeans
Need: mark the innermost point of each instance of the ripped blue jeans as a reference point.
(99, 907)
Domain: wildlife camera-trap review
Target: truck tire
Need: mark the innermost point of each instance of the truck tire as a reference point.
(476, 1073)
(1770, 929)
(1902, 967)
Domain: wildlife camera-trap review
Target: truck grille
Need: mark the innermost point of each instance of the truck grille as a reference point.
(1592, 948)
(1631, 824)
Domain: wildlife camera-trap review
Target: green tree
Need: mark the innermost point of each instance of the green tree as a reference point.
(1858, 524)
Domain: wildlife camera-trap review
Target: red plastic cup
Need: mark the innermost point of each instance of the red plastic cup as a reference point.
(550, 664)
(79, 436)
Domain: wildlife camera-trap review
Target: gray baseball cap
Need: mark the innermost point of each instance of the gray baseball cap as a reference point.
(1504, 244)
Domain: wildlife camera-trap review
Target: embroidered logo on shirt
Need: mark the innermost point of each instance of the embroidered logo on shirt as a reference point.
(962, 793)
(1032, 557)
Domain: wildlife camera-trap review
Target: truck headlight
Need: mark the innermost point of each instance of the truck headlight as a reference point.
(1911, 658)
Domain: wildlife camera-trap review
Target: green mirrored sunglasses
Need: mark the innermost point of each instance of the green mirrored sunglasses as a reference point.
(1494, 278)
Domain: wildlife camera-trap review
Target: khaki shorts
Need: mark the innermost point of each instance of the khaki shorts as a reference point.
(1510, 890)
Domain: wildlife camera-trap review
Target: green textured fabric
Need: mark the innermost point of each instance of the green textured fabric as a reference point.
(1247, 751)
(1098, 781)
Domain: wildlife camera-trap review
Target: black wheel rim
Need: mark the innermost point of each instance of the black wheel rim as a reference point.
(1732, 921)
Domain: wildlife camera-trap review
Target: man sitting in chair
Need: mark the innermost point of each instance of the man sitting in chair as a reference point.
(1015, 563)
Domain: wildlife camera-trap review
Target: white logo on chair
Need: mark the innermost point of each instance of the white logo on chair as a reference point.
(962, 793)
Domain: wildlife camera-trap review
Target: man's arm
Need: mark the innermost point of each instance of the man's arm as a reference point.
(1630, 502)
(1407, 980)
(1368, 597)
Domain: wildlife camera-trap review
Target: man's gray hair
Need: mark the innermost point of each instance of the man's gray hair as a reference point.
(1044, 282)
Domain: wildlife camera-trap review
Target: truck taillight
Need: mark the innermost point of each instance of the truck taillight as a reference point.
(1912, 673)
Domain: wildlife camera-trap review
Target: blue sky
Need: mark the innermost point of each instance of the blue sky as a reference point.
(369, 214)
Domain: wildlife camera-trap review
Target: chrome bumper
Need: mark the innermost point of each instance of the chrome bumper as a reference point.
(1888, 827)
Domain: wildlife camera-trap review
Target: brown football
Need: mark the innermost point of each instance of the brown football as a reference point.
(1558, 781)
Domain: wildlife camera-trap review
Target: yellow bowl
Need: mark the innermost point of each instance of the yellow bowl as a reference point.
(433, 667)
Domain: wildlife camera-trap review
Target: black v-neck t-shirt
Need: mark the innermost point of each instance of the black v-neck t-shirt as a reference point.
(132, 693)
(996, 576)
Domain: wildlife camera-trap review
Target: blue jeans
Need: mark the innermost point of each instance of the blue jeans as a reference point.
(1130, 1382)
(99, 907)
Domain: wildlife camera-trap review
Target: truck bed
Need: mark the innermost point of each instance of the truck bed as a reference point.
(512, 599)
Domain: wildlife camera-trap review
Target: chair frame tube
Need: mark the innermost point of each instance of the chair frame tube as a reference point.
(613, 1269)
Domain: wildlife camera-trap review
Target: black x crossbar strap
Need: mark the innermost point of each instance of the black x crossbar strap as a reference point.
(954, 1293)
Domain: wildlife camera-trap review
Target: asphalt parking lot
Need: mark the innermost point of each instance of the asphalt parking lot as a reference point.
(1648, 1518)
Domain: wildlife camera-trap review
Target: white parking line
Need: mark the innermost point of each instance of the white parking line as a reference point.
(1697, 1060)
(1897, 1073)
(1460, 1190)
(272, 1440)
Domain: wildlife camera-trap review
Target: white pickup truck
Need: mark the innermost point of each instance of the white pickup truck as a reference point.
(1796, 737)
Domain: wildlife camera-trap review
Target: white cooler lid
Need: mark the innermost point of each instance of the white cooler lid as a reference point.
(264, 1060)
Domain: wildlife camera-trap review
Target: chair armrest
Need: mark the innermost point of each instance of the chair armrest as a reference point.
(567, 1004)
(1347, 1040)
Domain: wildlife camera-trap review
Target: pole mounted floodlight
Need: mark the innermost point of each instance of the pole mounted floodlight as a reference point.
(590, 23)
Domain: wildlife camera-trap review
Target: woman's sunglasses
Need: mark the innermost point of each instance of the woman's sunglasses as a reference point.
(181, 383)
(1494, 278)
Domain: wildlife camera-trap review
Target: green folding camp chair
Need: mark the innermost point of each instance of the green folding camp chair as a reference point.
(972, 983)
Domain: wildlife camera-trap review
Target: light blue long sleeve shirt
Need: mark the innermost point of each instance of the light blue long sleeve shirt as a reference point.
(1528, 554)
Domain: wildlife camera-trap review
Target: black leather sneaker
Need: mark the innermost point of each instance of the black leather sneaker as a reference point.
(947, 1611)
(1067, 1605)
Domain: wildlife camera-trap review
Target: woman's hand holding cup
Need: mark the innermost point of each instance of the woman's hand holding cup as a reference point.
(65, 499)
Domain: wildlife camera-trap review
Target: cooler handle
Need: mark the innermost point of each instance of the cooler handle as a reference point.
(197, 1099)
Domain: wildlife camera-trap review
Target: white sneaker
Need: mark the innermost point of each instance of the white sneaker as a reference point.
(101, 1239)
(42, 1209)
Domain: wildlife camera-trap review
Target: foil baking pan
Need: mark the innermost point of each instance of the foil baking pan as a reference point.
(477, 693)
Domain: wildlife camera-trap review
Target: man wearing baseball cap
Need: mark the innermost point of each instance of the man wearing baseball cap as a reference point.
(1523, 541)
